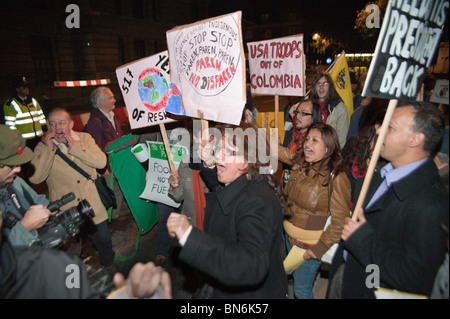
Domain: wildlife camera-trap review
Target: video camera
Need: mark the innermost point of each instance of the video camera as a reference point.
(60, 227)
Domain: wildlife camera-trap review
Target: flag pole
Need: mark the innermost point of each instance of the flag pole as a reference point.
(374, 158)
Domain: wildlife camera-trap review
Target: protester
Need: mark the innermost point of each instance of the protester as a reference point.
(104, 126)
(187, 187)
(334, 111)
(358, 152)
(303, 114)
(359, 104)
(79, 148)
(239, 249)
(287, 109)
(318, 188)
(399, 231)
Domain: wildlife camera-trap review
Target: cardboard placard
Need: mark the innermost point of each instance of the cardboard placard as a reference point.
(147, 91)
(408, 40)
(208, 66)
(277, 66)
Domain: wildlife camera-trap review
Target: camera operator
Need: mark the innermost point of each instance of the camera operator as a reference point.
(16, 197)
(42, 273)
(61, 178)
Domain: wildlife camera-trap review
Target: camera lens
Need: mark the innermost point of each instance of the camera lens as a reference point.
(85, 209)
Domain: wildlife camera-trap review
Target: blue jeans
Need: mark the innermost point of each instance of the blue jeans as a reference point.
(304, 276)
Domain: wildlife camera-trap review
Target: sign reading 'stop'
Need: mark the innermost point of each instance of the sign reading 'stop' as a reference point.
(408, 40)
(207, 64)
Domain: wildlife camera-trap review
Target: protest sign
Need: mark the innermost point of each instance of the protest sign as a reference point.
(408, 39)
(440, 92)
(277, 66)
(147, 91)
(158, 174)
(208, 66)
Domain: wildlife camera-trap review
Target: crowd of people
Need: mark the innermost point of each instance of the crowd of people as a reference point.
(237, 226)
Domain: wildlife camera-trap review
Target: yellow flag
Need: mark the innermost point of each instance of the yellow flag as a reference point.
(341, 80)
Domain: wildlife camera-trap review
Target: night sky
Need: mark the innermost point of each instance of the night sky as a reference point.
(331, 18)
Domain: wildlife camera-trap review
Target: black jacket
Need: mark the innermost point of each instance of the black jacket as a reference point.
(239, 251)
(403, 236)
(35, 273)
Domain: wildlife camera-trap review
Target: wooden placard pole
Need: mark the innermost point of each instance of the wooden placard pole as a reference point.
(205, 126)
(167, 147)
(375, 156)
(277, 109)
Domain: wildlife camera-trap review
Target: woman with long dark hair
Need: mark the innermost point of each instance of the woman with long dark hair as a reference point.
(318, 188)
(238, 253)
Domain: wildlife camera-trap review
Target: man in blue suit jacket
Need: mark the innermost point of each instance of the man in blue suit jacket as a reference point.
(398, 240)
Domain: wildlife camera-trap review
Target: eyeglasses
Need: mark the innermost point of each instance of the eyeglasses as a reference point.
(227, 152)
(301, 113)
(322, 84)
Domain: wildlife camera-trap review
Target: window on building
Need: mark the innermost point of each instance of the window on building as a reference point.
(139, 48)
(137, 8)
(42, 57)
(121, 49)
(119, 8)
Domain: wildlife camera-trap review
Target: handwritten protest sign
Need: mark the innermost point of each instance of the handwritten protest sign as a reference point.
(406, 46)
(157, 185)
(147, 91)
(208, 66)
(408, 40)
(277, 66)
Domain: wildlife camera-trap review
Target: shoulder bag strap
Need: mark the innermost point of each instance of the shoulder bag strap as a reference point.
(72, 164)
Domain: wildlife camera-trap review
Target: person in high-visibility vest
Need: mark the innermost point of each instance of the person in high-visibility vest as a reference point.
(23, 113)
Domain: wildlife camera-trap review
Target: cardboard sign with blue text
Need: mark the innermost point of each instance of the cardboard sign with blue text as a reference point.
(408, 40)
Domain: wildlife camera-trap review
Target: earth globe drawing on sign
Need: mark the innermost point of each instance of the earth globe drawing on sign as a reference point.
(153, 89)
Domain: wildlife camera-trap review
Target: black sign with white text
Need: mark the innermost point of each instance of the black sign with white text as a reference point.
(408, 40)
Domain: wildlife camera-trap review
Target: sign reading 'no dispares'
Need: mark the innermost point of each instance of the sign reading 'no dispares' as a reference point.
(207, 64)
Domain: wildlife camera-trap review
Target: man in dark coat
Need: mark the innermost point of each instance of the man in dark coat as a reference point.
(398, 242)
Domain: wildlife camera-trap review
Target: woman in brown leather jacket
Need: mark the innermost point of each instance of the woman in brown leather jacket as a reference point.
(318, 187)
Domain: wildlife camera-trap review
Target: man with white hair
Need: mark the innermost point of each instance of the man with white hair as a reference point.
(104, 126)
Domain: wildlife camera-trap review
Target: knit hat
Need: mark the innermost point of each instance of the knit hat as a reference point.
(13, 149)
